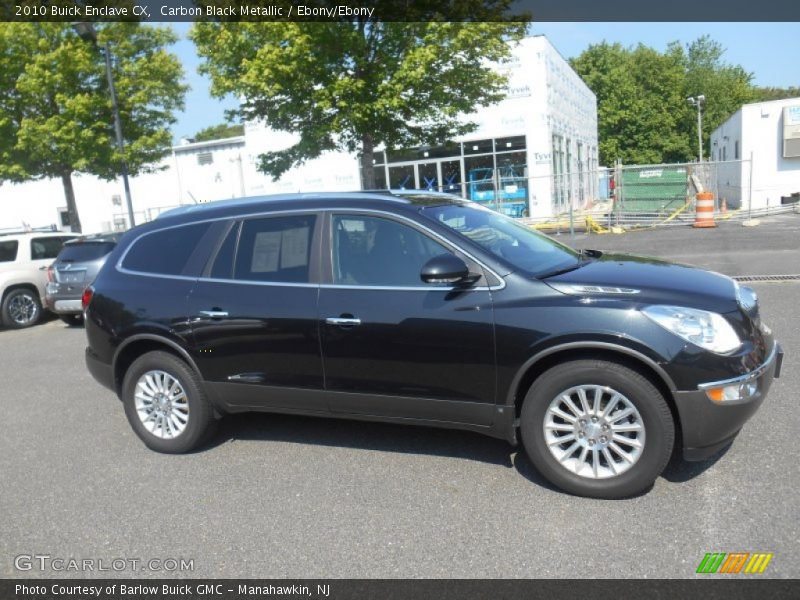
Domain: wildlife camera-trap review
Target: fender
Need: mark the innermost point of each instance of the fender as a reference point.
(588, 344)
(155, 337)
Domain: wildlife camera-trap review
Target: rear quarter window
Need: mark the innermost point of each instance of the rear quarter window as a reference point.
(8, 251)
(164, 252)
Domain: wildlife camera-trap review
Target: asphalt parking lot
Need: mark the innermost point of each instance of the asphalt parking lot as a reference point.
(281, 496)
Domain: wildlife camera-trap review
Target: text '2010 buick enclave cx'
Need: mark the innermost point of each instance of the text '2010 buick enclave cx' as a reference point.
(426, 309)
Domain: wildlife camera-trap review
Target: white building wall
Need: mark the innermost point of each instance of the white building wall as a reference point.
(758, 129)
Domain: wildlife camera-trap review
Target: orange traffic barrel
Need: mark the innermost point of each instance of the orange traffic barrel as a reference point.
(704, 215)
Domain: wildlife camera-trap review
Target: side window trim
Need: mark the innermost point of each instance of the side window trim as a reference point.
(328, 282)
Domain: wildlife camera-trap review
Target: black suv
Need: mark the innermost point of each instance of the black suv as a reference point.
(426, 309)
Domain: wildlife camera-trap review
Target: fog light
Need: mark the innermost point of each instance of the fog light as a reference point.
(732, 393)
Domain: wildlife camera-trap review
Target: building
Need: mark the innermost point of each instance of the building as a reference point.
(769, 133)
(534, 153)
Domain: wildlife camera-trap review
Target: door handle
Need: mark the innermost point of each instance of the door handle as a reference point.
(343, 321)
(214, 314)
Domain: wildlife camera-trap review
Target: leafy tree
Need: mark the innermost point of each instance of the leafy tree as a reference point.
(353, 85)
(765, 94)
(643, 115)
(219, 132)
(55, 110)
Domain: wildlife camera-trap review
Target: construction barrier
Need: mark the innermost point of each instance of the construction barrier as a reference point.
(704, 210)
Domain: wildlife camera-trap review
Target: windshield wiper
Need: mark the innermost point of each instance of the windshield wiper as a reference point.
(584, 257)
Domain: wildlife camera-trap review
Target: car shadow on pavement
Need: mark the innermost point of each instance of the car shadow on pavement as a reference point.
(383, 437)
(679, 470)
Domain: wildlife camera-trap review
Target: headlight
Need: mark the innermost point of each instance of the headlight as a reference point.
(705, 329)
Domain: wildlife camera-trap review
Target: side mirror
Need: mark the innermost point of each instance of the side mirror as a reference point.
(447, 268)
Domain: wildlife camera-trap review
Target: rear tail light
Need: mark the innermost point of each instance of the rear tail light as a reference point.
(86, 298)
(50, 274)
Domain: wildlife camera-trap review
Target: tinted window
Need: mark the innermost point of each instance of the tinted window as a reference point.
(85, 251)
(49, 247)
(8, 250)
(223, 263)
(506, 238)
(379, 252)
(275, 249)
(164, 252)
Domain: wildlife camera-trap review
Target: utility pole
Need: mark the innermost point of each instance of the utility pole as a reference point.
(87, 33)
(699, 101)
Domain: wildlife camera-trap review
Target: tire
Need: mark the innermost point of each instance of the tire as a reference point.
(21, 308)
(585, 472)
(72, 320)
(193, 411)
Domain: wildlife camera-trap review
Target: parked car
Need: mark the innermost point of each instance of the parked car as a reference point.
(24, 258)
(76, 267)
(421, 308)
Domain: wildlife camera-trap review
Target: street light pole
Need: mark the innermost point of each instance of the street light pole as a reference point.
(87, 33)
(698, 102)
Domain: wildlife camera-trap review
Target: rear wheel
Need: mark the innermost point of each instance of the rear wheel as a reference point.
(165, 403)
(72, 320)
(21, 308)
(597, 428)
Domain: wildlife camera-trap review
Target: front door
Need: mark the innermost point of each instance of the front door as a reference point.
(393, 345)
(254, 316)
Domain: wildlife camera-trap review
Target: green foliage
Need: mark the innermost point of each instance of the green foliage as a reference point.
(351, 85)
(643, 115)
(56, 107)
(219, 132)
(766, 94)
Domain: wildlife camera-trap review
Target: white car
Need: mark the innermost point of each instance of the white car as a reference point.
(24, 258)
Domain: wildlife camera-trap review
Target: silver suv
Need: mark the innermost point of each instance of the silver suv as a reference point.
(24, 258)
(75, 268)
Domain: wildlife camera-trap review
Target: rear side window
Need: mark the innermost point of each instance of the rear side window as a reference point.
(8, 250)
(275, 249)
(47, 247)
(164, 252)
(85, 251)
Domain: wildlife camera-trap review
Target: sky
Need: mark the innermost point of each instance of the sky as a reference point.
(764, 49)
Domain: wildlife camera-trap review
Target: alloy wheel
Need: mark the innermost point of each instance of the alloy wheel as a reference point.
(161, 404)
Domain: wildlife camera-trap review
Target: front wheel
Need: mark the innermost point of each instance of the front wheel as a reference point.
(597, 428)
(21, 308)
(165, 403)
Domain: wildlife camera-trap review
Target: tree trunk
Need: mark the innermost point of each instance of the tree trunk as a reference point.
(72, 208)
(367, 166)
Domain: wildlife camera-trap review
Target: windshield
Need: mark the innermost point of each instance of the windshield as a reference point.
(85, 251)
(526, 250)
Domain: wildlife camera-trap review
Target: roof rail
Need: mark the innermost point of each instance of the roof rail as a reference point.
(17, 231)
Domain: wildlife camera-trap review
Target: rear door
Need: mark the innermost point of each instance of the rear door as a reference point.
(254, 314)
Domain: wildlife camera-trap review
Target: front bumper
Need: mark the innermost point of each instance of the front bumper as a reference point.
(708, 426)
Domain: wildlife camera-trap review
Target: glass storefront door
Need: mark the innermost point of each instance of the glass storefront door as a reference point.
(402, 177)
(429, 177)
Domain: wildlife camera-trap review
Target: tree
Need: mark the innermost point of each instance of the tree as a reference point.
(55, 110)
(643, 115)
(353, 85)
(766, 94)
(219, 132)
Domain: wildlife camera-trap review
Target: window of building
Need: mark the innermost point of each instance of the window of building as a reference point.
(372, 251)
(479, 147)
(736, 150)
(164, 252)
(510, 144)
(205, 158)
(8, 250)
(275, 249)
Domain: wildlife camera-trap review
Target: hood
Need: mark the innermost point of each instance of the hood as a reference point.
(657, 282)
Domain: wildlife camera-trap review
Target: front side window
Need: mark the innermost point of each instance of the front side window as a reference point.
(164, 252)
(373, 251)
(46, 247)
(8, 250)
(525, 249)
(275, 249)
